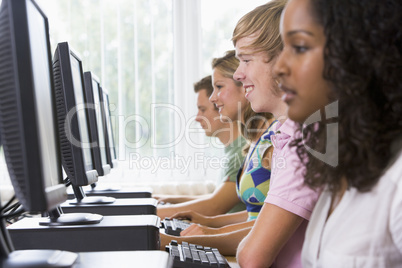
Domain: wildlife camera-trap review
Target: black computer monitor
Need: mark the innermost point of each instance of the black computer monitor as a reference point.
(97, 125)
(28, 125)
(29, 135)
(80, 155)
(77, 158)
(110, 142)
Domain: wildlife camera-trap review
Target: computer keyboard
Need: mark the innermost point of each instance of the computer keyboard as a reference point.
(174, 226)
(187, 255)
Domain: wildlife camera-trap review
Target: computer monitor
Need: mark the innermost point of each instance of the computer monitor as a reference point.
(97, 128)
(30, 139)
(110, 143)
(28, 126)
(80, 155)
(30, 136)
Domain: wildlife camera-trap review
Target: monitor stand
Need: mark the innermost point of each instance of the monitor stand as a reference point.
(31, 258)
(40, 258)
(58, 218)
(108, 205)
(114, 191)
(107, 189)
(121, 206)
(124, 206)
(81, 198)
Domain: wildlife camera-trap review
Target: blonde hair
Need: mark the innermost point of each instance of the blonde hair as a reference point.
(251, 121)
(227, 65)
(263, 23)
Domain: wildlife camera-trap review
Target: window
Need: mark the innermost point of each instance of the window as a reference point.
(218, 19)
(148, 54)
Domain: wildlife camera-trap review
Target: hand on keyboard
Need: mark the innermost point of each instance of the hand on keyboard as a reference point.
(195, 217)
(174, 226)
(196, 229)
(195, 256)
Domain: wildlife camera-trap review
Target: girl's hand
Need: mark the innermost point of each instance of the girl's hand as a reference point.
(194, 217)
(197, 229)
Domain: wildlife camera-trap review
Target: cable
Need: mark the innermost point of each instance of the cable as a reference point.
(8, 203)
(13, 214)
(11, 208)
(67, 182)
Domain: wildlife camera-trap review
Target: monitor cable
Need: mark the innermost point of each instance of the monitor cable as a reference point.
(11, 210)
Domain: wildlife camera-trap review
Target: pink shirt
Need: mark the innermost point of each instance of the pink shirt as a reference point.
(287, 191)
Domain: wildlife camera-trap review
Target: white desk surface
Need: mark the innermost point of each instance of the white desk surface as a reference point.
(232, 261)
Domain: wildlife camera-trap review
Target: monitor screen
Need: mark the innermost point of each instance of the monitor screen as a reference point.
(76, 145)
(81, 112)
(43, 95)
(27, 107)
(108, 122)
(96, 129)
(101, 128)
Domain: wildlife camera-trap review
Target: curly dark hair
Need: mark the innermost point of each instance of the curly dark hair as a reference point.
(363, 65)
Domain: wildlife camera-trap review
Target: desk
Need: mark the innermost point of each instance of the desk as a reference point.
(232, 261)
(113, 233)
(121, 206)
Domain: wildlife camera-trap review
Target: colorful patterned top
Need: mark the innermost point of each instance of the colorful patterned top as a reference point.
(253, 186)
(234, 157)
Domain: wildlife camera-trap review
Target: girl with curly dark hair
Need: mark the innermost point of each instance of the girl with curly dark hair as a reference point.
(341, 71)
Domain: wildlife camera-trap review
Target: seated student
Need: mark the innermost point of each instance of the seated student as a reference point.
(207, 117)
(277, 236)
(345, 58)
(253, 177)
(224, 198)
(252, 180)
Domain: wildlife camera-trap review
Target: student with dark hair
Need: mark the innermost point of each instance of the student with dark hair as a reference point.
(341, 72)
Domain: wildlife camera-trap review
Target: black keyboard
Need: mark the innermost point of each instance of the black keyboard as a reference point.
(174, 226)
(187, 255)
